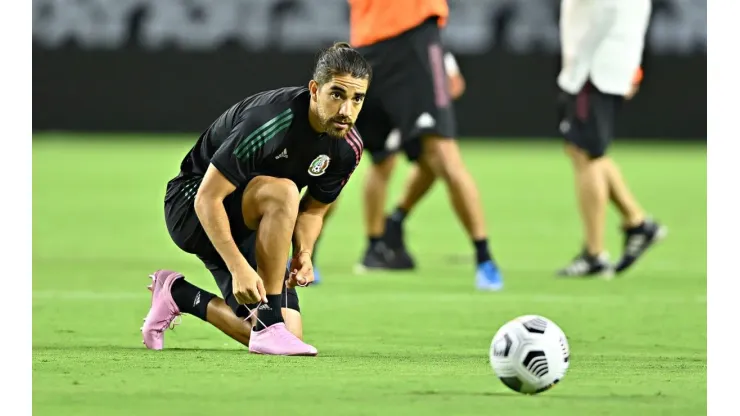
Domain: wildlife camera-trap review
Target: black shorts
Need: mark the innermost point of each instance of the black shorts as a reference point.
(409, 92)
(188, 234)
(587, 119)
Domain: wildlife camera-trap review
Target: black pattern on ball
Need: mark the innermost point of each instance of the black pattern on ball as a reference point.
(536, 363)
(512, 382)
(536, 325)
(502, 347)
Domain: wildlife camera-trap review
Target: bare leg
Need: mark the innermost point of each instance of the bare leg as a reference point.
(330, 211)
(375, 193)
(294, 322)
(443, 158)
(592, 189)
(621, 196)
(419, 182)
(270, 205)
(220, 315)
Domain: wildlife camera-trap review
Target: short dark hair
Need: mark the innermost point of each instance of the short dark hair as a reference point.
(340, 59)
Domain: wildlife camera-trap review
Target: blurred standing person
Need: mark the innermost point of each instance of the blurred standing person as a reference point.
(602, 43)
(401, 41)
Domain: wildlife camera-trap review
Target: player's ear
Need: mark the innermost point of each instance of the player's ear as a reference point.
(313, 88)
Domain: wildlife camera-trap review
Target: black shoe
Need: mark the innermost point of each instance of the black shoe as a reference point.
(637, 240)
(394, 241)
(381, 257)
(587, 265)
(393, 235)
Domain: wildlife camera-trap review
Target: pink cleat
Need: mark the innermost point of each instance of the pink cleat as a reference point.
(277, 340)
(163, 310)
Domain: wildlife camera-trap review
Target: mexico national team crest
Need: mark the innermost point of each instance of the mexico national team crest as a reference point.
(319, 165)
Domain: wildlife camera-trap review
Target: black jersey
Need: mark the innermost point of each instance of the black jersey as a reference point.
(269, 134)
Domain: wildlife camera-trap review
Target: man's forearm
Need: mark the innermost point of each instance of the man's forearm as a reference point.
(215, 222)
(307, 229)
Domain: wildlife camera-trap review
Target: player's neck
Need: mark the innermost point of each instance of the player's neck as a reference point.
(313, 119)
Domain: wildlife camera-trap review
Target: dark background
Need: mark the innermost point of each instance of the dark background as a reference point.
(130, 86)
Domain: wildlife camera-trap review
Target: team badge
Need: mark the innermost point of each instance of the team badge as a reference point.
(319, 165)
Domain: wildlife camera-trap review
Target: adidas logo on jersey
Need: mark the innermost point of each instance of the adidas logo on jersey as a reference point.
(283, 154)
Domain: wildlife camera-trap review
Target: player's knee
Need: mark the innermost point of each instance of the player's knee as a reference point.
(276, 196)
(383, 169)
(283, 198)
(442, 156)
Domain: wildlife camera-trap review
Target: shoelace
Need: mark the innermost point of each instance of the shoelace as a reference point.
(175, 322)
(253, 312)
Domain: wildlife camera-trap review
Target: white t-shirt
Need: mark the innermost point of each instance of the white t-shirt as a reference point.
(602, 40)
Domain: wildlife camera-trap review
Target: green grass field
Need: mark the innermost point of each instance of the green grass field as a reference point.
(412, 343)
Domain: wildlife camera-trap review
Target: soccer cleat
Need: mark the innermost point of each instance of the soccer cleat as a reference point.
(394, 240)
(637, 240)
(393, 234)
(316, 276)
(389, 253)
(587, 265)
(163, 309)
(381, 257)
(277, 340)
(488, 277)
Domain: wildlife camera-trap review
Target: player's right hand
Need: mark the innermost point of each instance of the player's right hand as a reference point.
(247, 285)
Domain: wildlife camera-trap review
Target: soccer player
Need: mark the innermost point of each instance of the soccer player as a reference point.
(419, 181)
(401, 40)
(602, 43)
(235, 204)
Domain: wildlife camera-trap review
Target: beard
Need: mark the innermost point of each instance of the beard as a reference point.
(337, 131)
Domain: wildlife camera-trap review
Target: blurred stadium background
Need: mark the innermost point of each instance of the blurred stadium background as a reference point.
(121, 90)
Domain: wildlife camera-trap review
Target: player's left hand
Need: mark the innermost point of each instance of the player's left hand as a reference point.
(633, 91)
(301, 270)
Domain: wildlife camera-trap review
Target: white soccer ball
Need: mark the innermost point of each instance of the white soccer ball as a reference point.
(530, 354)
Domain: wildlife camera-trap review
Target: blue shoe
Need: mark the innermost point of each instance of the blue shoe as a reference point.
(316, 276)
(488, 277)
